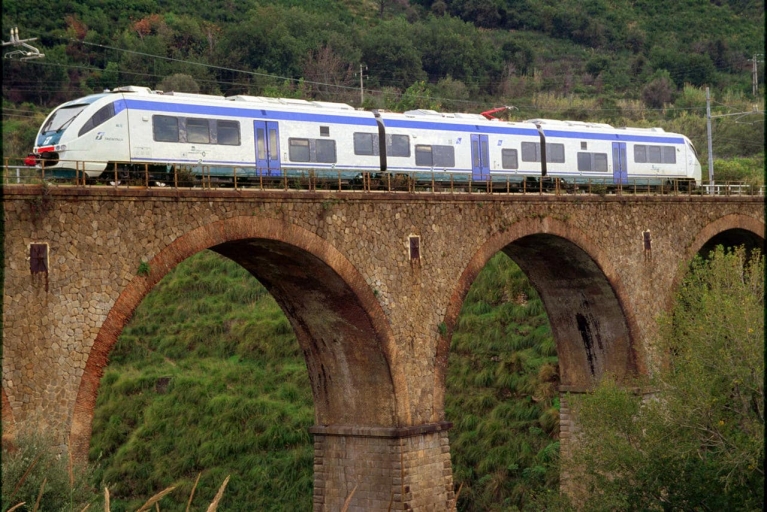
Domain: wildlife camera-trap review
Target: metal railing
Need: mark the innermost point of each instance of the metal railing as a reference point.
(208, 177)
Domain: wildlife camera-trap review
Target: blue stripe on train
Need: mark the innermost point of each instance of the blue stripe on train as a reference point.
(257, 113)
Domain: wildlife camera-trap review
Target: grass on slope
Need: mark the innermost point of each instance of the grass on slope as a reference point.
(208, 377)
(502, 395)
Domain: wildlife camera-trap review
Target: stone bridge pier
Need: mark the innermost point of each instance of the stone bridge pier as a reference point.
(372, 285)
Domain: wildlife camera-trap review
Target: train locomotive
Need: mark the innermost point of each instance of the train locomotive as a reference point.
(258, 137)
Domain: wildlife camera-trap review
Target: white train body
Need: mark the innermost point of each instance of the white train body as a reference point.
(271, 137)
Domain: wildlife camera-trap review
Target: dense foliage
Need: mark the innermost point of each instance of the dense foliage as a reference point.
(41, 478)
(697, 442)
(593, 47)
(639, 63)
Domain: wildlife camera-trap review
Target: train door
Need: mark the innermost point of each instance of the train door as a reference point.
(620, 167)
(267, 148)
(480, 157)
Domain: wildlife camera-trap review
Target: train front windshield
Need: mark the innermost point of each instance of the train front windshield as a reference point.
(62, 118)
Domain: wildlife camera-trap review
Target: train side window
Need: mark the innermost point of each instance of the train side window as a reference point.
(531, 152)
(363, 144)
(654, 154)
(197, 131)
(600, 162)
(555, 153)
(434, 156)
(444, 156)
(325, 151)
(165, 128)
(298, 150)
(596, 162)
(640, 154)
(509, 159)
(324, 131)
(669, 155)
(101, 116)
(423, 156)
(398, 145)
(228, 133)
(584, 161)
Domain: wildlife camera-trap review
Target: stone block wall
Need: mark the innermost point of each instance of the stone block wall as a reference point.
(383, 468)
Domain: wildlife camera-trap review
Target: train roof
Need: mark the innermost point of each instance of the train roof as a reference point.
(579, 124)
(448, 115)
(585, 124)
(291, 102)
(288, 102)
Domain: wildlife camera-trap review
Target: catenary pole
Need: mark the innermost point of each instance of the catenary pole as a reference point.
(754, 77)
(362, 93)
(708, 133)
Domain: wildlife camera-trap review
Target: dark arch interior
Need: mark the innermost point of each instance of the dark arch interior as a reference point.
(586, 317)
(350, 377)
(733, 238)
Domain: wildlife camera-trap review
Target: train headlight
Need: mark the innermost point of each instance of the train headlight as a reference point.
(62, 147)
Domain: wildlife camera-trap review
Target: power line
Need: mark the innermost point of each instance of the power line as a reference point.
(531, 107)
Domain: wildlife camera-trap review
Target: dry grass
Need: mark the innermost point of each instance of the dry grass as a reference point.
(214, 505)
(191, 495)
(40, 495)
(154, 500)
(349, 499)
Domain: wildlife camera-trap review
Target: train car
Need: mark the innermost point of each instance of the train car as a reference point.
(256, 137)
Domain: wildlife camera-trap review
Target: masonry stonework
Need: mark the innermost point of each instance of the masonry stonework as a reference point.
(374, 324)
(383, 468)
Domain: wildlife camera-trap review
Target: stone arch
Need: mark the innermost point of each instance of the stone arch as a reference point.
(343, 332)
(595, 332)
(730, 230)
(734, 229)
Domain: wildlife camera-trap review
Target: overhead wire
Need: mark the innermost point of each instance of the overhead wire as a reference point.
(344, 88)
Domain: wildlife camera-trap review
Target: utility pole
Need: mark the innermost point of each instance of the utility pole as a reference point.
(710, 146)
(362, 88)
(754, 80)
(708, 133)
(754, 74)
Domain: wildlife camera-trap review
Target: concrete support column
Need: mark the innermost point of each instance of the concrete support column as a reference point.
(391, 468)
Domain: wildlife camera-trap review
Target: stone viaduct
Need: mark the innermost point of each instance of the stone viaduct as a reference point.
(372, 284)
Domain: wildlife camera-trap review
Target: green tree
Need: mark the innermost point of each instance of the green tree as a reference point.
(179, 82)
(659, 91)
(418, 95)
(390, 54)
(696, 442)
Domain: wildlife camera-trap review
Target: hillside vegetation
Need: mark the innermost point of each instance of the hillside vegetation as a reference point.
(208, 377)
(641, 62)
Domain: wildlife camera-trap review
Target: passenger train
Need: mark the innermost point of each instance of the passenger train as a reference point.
(257, 137)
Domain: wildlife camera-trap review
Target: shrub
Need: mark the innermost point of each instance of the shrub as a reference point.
(32, 469)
